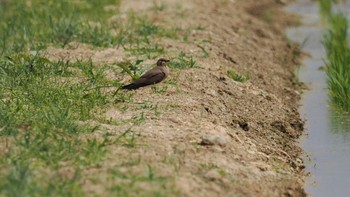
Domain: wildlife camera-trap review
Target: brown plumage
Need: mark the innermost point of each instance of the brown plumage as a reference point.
(153, 76)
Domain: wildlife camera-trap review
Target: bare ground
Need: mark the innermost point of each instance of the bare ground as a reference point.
(209, 135)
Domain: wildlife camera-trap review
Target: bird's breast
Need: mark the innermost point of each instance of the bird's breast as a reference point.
(166, 71)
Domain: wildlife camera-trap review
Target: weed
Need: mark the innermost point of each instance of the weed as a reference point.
(131, 184)
(325, 7)
(150, 51)
(159, 90)
(132, 162)
(150, 173)
(147, 105)
(174, 80)
(338, 55)
(237, 77)
(137, 120)
(205, 53)
(269, 15)
(127, 138)
(132, 69)
(222, 172)
(24, 181)
(182, 61)
(180, 11)
(156, 111)
(158, 7)
(123, 96)
(93, 152)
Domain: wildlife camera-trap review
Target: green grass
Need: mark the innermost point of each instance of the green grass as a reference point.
(40, 107)
(182, 61)
(32, 25)
(131, 184)
(269, 15)
(50, 111)
(336, 43)
(325, 7)
(22, 181)
(237, 77)
(134, 70)
(27, 27)
(45, 108)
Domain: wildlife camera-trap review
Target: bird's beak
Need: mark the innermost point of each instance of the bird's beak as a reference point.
(167, 60)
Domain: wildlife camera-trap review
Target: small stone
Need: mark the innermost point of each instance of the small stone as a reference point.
(262, 166)
(208, 140)
(180, 148)
(244, 125)
(280, 126)
(211, 92)
(213, 175)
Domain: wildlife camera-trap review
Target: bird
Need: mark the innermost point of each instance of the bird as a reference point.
(153, 76)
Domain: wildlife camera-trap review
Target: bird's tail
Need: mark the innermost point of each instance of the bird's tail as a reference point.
(131, 86)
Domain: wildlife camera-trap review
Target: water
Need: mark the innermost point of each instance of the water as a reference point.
(327, 142)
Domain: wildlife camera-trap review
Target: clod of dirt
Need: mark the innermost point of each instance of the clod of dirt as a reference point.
(298, 125)
(213, 175)
(279, 125)
(244, 125)
(180, 148)
(209, 140)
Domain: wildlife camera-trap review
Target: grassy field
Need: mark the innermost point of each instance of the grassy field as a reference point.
(47, 107)
(336, 43)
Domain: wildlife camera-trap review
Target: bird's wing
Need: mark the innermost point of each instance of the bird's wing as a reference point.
(157, 78)
(150, 78)
(142, 81)
(156, 72)
(151, 73)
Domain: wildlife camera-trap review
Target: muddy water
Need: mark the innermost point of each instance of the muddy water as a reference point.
(327, 142)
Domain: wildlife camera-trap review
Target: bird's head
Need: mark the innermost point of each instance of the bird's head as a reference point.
(162, 62)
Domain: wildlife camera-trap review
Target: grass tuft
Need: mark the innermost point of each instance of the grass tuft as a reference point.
(183, 61)
(338, 56)
(237, 77)
(325, 7)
